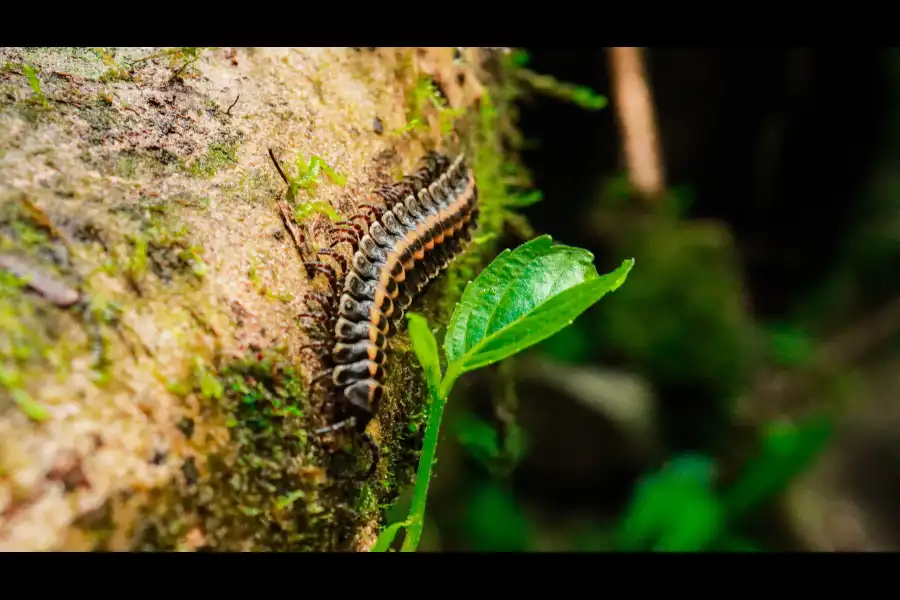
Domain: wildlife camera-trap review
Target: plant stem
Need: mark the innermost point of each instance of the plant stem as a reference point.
(423, 475)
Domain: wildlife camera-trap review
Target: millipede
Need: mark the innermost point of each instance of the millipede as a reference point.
(397, 249)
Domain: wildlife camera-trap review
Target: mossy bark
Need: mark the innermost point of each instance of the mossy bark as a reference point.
(152, 388)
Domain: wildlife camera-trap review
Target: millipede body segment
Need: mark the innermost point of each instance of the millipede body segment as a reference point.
(398, 249)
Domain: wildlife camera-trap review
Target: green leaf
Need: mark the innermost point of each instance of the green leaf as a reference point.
(304, 209)
(35, 84)
(522, 298)
(426, 348)
(787, 450)
(674, 510)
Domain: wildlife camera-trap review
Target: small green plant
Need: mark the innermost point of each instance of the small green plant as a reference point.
(309, 172)
(307, 178)
(523, 297)
(35, 84)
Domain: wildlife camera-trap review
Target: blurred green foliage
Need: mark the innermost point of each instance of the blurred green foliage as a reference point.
(679, 508)
(787, 450)
(789, 346)
(686, 302)
(675, 509)
(494, 521)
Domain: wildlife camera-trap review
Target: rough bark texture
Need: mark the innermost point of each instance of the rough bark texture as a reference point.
(152, 394)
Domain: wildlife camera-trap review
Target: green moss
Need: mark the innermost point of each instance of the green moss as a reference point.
(116, 74)
(22, 345)
(105, 56)
(26, 328)
(424, 101)
(265, 491)
(271, 488)
(162, 246)
(218, 156)
(115, 71)
(125, 166)
(210, 386)
(181, 59)
(136, 165)
(137, 261)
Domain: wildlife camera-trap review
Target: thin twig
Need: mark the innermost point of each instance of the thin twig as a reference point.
(228, 112)
(288, 219)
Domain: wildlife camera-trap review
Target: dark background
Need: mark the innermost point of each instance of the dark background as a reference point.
(784, 162)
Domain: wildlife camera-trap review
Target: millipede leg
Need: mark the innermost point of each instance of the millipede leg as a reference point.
(348, 227)
(326, 270)
(314, 346)
(334, 427)
(324, 299)
(318, 316)
(318, 378)
(376, 456)
(364, 217)
(341, 236)
(340, 259)
(376, 210)
(355, 226)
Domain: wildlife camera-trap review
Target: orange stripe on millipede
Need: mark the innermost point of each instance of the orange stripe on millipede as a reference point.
(430, 232)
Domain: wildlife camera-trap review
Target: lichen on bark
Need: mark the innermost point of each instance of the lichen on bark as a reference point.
(167, 408)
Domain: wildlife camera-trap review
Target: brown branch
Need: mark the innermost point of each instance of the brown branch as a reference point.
(633, 104)
(775, 390)
(858, 340)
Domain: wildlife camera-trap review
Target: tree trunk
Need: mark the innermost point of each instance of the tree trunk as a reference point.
(153, 393)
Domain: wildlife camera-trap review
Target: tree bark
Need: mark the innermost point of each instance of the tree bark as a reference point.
(153, 391)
